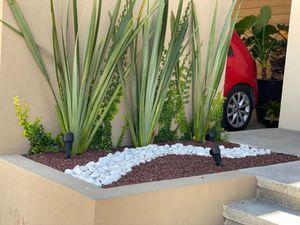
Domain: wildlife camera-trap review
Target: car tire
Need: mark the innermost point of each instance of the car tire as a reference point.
(238, 108)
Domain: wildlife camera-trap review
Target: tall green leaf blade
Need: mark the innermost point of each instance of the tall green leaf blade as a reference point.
(203, 97)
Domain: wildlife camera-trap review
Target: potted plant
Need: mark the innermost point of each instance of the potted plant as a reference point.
(277, 57)
(264, 42)
(272, 112)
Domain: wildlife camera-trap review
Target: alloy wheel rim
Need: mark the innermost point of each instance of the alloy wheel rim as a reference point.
(238, 110)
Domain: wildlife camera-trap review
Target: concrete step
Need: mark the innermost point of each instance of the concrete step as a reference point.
(279, 183)
(278, 198)
(230, 222)
(256, 212)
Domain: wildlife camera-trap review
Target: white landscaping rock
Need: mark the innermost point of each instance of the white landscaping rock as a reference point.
(112, 167)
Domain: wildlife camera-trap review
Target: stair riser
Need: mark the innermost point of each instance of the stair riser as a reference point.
(278, 187)
(243, 218)
(278, 198)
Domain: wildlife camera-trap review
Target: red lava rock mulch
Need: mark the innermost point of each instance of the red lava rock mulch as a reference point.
(59, 162)
(166, 167)
(176, 166)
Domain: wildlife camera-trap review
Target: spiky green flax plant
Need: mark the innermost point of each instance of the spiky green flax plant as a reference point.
(83, 75)
(149, 78)
(206, 79)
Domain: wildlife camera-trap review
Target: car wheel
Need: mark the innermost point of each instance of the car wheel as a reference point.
(238, 108)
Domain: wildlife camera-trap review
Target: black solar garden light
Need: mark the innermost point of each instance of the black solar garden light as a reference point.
(215, 152)
(68, 139)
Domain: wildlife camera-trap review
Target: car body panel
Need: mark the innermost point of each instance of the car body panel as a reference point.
(240, 68)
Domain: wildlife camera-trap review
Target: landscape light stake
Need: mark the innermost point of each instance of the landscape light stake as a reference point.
(215, 152)
(68, 139)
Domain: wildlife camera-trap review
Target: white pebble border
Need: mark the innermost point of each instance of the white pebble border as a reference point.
(112, 167)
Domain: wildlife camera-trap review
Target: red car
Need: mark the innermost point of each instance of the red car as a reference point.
(240, 87)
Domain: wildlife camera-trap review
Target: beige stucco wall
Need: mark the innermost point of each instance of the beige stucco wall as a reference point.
(290, 107)
(33, 194)
(20, 76)
(1, 14)
(190, 205)
(29, 199)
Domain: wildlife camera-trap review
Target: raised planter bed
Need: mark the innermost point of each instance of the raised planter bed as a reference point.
(171, 162)
(34, 194)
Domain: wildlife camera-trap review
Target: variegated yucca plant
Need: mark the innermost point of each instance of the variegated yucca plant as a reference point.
(206, 75)
(83, 77)
(152, 65)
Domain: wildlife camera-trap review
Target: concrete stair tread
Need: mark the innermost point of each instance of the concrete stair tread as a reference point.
(230, 222)
(255, 212)
(283, 178)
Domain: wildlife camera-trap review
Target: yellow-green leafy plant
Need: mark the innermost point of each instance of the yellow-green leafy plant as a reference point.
(39, 139)
(206, 75)
(83, 77)
(150, 78)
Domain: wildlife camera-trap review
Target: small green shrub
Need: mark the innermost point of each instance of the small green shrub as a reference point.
(272, 110)
(170, 109)
(215, 119)
(103, 137)
(40, 141)
(173, 113)
(121, 137)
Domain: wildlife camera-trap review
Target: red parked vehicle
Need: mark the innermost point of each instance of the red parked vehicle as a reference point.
(240, 87)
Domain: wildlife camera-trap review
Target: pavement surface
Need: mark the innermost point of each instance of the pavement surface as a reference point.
(277, 139)
(254, 125)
